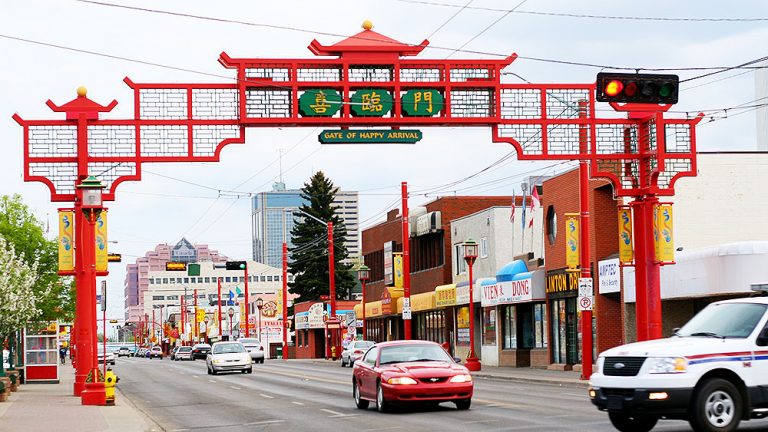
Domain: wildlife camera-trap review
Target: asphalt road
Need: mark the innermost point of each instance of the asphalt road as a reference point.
(307, 396)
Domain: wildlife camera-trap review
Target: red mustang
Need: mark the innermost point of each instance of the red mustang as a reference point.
(402, 372)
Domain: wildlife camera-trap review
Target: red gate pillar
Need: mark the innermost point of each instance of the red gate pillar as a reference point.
(406, 263)
(640, 226)
(79, 333)
(653, 271)
(584, 245)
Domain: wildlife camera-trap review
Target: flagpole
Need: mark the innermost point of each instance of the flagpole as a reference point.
(524, 187)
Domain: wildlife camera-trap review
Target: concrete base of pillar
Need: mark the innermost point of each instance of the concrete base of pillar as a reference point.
(94, 394)
(473, 364)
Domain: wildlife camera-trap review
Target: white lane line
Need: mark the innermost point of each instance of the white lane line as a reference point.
(332, 412)
(195, 376)
(480, 421)
(296, 403)
(213, 381)
(344, 416)
(235, 388)
(266, 396)
(179, 430)
(263, 422)
(383, 429)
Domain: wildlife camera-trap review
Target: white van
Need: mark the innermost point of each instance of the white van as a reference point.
(254, 348)
(713, 372)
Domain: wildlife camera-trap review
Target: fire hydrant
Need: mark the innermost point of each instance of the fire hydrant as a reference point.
(333, 352)
(110, 380)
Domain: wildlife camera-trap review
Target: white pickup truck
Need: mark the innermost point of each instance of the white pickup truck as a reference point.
(713, 372)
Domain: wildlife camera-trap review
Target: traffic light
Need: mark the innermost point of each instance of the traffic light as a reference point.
(235, 265)
(637, 88)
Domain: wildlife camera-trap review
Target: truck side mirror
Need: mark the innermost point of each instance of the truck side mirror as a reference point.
(762, 339)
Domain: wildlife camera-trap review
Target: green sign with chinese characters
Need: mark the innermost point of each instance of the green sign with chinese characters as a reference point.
(371, 103)
(319, 103)
(422, 102)
(370, 136)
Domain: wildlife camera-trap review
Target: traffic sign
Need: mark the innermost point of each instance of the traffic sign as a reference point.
(406, 314)
(586, 300)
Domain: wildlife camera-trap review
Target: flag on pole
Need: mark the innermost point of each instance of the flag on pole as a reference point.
(231, 298)
(522, 206)
(512, 211)
(535, 203)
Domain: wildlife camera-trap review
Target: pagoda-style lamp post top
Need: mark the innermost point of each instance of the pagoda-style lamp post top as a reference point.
(363, 273)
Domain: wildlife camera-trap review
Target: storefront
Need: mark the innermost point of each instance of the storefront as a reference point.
(428, 322)
(565, 338)
(374, 325)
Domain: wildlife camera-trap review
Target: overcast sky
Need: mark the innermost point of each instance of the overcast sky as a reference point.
(159, 209)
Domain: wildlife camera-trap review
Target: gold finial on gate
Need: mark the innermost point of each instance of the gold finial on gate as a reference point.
(82, 91)
(367, 24)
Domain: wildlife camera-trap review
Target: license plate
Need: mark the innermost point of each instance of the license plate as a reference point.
(615, 402)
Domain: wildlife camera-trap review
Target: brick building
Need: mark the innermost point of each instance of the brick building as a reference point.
(561, 196)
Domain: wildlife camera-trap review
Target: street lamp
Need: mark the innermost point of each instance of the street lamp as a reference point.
(470, 255)
(259, 305)
(207, 338)
(363, 274)
(231, 313)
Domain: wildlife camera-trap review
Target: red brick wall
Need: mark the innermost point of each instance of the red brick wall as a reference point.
(451, 208)
(562, 192)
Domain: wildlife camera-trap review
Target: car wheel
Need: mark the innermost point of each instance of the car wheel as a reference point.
(261, 361)
(343, 364)
(632, 423)
(360, 403)
(463, 404)
(381, 403)
(249, 370)
(208, 369)
(213, 371)
(716, 407)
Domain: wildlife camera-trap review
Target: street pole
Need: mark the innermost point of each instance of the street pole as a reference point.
(286, 328)
(331, 271)
(406, 263)
(365, 334)
(470, 255)
(197, 334)
(221, 329)
(584, 246)
(247, 302)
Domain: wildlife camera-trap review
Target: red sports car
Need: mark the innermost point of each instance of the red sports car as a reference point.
(402, 372)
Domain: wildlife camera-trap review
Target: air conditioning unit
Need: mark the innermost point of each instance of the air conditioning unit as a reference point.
(428, 223)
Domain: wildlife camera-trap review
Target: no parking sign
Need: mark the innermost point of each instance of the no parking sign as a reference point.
(586, 300)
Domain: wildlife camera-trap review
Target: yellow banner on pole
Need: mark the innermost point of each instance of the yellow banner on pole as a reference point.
(242, 315)
(626, 250)
(66, 249)
(279, 304)
(572, 258)
(200, 315)
(398, 263)
(664, 234)
(101, 242)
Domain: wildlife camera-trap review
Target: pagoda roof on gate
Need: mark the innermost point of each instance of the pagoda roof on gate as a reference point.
(367, 42)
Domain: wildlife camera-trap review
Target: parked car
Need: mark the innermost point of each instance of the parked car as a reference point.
(228, 356)
(155, 352)
(200, 351)
(184, 353)
(172, 355)
(254, 348)
(713, 372)
(403, 372)
(123, 352)
(354, 351)
(110, 356)
(141, 352)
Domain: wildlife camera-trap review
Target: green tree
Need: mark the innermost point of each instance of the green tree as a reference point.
(54, 295)
(309, 253)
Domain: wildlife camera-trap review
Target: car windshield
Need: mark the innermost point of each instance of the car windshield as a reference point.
(724, 320)
(413, 353)
(363, 344)
(202, 346)
(248, 341)
(185, 349)
(228, 348)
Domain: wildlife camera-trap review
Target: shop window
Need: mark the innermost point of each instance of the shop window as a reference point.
(462, 326)
(458, 256)
(540, 325)
(551, 225)
(489, 326)
(509, 327)
(484, 247)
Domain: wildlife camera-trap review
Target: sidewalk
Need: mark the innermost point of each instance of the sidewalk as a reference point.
(543, 376)
(51, 407)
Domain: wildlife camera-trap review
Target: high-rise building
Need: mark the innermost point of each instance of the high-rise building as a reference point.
(137, 279)
(274, 214)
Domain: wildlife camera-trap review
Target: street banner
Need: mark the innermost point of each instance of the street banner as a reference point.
(66, 251)
(626, 251)
(279, 304)
(572, 258)
(665, 240)
(101, 242)
(398, 258)
(200, 314)
(242, 315)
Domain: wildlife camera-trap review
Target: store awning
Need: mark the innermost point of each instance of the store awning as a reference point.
(419, 302)
(389, 300)
(372, 309)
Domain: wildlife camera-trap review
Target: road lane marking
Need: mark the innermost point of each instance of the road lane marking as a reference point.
(335, 413)
(296, 403)
(195, 376)
(383, 429)
(213, 381)
(263, 422)
(480, 421)
(302, 377)
(266, 396)
(344, 416)
(235, 388)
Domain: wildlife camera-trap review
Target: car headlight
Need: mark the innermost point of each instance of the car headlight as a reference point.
(402, 381)
(216, 361)
(461, 379)
(668, 365)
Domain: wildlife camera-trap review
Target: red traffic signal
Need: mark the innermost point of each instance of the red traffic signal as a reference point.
(637, 88)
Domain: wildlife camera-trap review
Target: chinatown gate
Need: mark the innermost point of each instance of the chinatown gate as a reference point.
(373, 83)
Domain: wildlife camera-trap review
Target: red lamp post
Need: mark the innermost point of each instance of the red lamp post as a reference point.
(363, 274)
(470, 255)
(231, 313)
(259, 305)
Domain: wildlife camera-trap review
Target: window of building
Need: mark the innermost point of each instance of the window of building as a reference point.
(269, 278)
(458, 257)
(430, 326)
(207, 280)
(508, 327)
(277, 278)
(540, 325)
(426, 252)
(489, 326)
(228, 279)
(484, 247)
(172, 297)
(551, 225)
(158, 297)
(201, 296)
(151, 281)
(263, 278)
(165, 280)
(186, 280)
(172, 280)
(241, 279)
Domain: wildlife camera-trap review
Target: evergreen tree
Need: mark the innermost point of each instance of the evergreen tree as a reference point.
(309, 253)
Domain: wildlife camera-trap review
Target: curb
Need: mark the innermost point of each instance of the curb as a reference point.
(583, 384)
